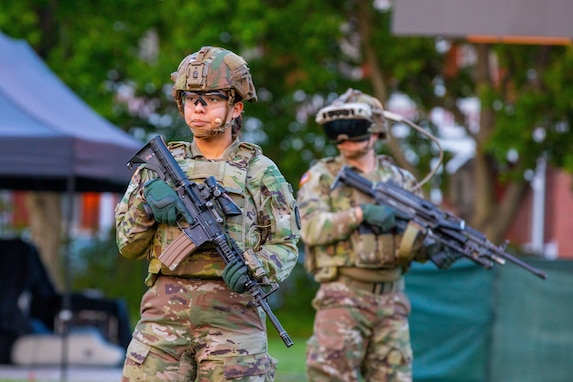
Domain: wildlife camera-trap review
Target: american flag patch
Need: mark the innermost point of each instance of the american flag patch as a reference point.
(305, 178)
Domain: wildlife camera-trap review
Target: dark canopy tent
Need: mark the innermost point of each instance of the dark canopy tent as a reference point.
(48, 136)
(50, 140)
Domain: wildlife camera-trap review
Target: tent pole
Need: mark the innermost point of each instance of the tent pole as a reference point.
(66, 311)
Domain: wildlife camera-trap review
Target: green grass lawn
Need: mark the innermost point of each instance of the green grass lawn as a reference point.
(291, 366)
(298, 324)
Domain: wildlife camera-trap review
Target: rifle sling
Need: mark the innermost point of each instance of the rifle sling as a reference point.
(410, 241)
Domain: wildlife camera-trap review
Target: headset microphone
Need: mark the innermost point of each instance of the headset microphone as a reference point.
(218, 121)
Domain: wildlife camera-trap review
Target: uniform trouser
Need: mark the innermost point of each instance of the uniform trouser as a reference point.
(357, 333)
(198, 330)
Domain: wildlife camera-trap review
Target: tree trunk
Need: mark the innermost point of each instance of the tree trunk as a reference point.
(484, 178)
(45, 216)
(364, 20)
(492, 216)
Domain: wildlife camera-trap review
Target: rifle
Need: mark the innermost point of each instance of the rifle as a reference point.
(441, 226)
(198, 205)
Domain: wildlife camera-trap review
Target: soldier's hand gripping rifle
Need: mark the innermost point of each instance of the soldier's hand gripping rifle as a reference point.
(441, 226)
(198, 206)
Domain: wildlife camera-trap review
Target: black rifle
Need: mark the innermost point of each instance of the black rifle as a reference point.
(198, 205)
(441, 226)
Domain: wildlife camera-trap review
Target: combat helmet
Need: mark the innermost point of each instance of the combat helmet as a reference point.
(213, 68)
(353, 116)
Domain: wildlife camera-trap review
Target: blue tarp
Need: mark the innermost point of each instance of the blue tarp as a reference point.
(49, 135)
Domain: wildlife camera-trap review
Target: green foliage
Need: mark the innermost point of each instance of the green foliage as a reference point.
(300, 52)
(533, 107)
(95, 47)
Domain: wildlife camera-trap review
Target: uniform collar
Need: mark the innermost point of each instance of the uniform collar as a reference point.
(196, 153)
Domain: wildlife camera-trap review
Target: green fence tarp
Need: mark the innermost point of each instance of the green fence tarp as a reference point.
(533, 330)
(501, 325)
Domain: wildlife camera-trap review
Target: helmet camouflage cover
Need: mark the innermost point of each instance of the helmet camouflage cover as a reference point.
(355, 105)
(211, 69)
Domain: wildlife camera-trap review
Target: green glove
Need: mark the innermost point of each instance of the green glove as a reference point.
(442, 256)
(163, 201)
(380, 216)
(235, 275)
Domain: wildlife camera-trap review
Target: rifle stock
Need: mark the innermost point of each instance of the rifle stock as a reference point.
(441, 226)
(198, 208)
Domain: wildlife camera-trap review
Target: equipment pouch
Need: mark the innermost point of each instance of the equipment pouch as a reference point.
(326, 274)
(323, 261)
(254, 264)
(153, 272)
(371, 250)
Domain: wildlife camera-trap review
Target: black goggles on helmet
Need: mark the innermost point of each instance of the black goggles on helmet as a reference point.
(340, 130)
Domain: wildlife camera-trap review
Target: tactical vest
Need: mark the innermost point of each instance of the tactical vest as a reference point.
(364, 248)
(232, 175)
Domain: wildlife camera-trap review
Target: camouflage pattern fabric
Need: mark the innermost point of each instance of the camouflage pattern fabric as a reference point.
(191, 323)
(356, 333)
(268, 225)
(329, 225)
(197, 330)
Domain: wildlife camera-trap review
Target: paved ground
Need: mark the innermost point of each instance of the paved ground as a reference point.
(58, 374)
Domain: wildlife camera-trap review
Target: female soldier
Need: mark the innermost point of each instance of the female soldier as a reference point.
(196, 322)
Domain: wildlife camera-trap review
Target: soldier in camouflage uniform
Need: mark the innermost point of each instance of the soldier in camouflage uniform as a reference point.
(356, 254)
(196, 322)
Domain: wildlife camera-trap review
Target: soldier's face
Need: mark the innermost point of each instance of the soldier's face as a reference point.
(203, 112)
(355, 150)
(208, 113)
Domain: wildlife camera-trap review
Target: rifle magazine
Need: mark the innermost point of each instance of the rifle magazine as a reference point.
(175, 252)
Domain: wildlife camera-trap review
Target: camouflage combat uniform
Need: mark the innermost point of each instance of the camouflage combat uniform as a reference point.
(361, 324)
(192, 326)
